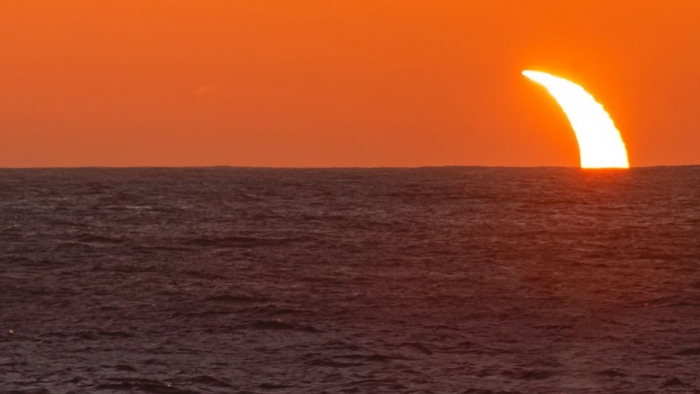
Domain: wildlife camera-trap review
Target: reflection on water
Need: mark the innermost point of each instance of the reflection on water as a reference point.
(425, 280)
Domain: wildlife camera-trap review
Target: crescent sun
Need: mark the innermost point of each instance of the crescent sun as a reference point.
(599, 141)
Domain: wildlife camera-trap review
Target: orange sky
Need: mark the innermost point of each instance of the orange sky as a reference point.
(340, 83)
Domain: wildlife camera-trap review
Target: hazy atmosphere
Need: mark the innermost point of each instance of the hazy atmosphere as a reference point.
(320, 83)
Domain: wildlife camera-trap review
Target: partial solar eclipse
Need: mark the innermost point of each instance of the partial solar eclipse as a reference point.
(599, 141)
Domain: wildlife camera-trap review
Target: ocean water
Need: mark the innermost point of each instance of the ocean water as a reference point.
(435, 280)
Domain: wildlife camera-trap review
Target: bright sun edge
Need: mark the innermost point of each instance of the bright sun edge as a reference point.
(600, 143)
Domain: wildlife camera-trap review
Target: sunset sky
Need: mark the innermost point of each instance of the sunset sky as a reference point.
(340, 83)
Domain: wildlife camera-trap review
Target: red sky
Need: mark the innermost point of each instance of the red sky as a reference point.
(339, 83)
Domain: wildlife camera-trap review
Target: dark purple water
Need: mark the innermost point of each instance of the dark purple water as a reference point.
(445, 280)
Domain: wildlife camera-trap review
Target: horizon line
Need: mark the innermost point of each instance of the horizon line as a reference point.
(337, 167)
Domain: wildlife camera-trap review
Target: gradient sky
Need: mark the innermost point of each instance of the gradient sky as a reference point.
(340, 83)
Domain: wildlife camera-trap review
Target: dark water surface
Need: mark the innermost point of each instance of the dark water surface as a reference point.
(443, 280)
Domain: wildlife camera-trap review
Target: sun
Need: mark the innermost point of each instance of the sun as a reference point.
(599, 141)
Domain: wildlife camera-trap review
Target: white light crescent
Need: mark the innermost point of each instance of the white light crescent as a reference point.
(599, 141)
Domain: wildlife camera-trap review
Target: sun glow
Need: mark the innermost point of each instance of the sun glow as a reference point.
(599, 141)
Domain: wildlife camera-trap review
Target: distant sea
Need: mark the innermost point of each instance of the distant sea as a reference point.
(430, 280)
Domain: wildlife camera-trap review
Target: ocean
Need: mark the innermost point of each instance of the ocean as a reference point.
(428, 280)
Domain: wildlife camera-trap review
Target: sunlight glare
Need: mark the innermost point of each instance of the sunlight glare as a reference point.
(599, 140)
